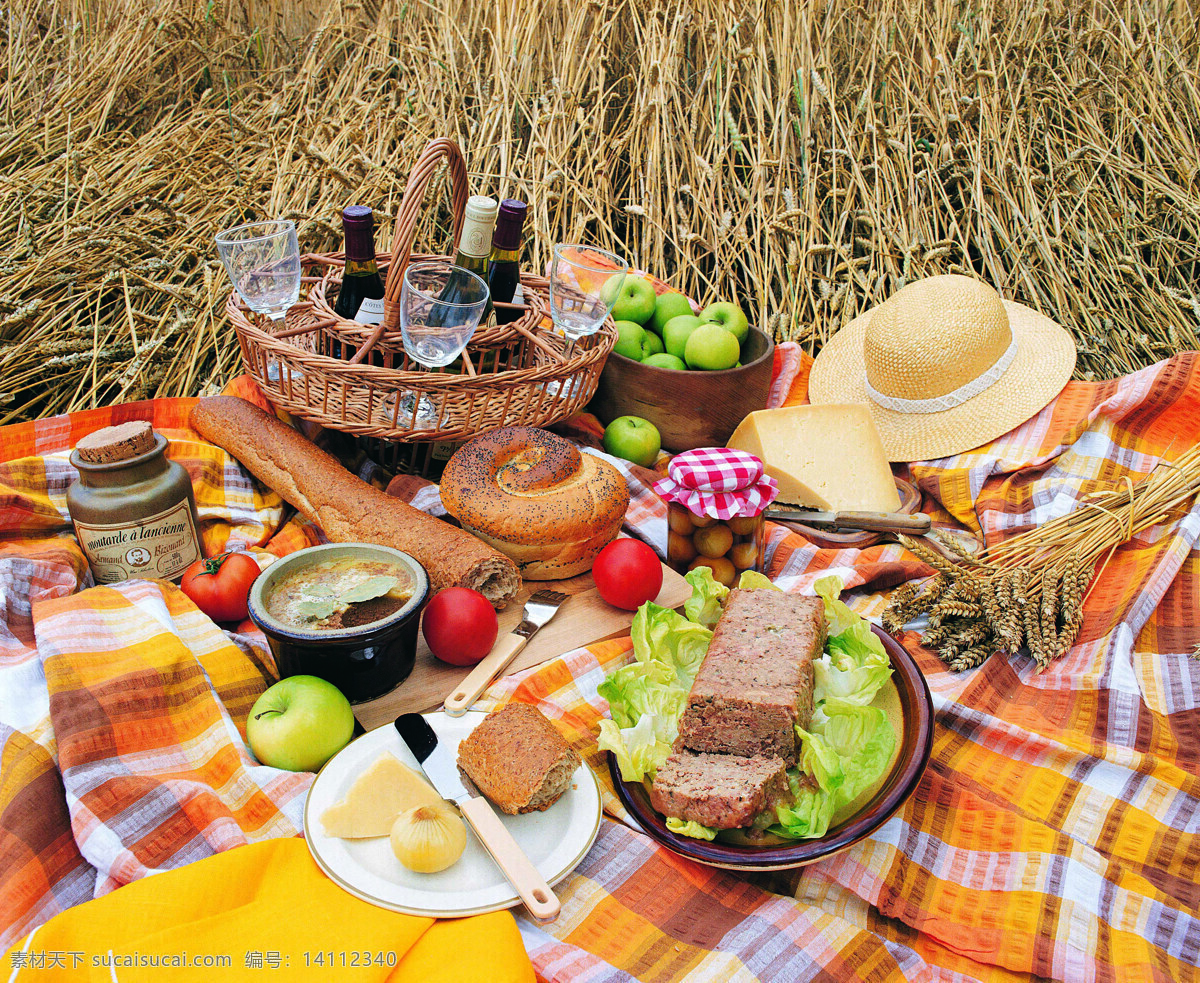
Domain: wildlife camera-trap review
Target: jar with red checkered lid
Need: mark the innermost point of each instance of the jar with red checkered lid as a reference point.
(715, 500)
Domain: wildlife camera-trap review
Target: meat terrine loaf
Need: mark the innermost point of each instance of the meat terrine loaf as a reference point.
(756, 682)
(723, 791)
(518, 759)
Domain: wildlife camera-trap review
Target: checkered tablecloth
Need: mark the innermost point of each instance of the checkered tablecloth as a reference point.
(1054, 834)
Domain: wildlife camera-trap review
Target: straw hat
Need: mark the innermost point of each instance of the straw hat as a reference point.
(944, 365)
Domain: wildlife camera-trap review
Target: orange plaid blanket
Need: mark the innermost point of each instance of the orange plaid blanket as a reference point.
(1054, 834)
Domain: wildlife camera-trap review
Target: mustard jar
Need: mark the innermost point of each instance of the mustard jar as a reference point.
(133, 509)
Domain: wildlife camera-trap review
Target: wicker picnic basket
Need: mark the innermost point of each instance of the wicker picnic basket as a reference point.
(511, 374)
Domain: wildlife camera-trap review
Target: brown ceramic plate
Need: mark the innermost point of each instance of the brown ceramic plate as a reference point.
(910, 502)
(910, 709)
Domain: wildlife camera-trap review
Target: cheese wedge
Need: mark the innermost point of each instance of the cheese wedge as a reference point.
(824, 457)
(376, 798)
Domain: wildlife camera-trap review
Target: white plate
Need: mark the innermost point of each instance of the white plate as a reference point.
(555, 840)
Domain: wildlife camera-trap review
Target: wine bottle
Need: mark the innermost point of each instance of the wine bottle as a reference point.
(504, 275)
(474, 249)
(361, 295)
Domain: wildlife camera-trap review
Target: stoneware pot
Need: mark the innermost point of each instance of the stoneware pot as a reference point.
(692, 408)
(364, 662)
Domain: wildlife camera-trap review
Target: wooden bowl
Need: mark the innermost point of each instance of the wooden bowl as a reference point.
(693, 408)
(910, 710)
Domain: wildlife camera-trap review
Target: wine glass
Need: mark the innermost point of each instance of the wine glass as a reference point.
(263, 262)
(584, 283)
(441, 305)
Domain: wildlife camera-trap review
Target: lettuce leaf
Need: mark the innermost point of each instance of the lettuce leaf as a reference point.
(838, 615)
(855, 664)
(807, 818)
(639, 750)
(820, 759)
(642, 688)
(851, 752)
(704, 606)
(753, 580)
(851, 727)
(690, 828)
(661, 635)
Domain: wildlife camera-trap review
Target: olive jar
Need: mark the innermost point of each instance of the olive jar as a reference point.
(715, 498)
(133, 509)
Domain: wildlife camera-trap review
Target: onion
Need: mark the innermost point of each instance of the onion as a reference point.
(428, 838)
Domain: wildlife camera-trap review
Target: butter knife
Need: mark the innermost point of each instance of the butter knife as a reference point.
(917, 524)
(437, 761)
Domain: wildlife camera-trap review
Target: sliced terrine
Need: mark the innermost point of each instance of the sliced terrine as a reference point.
(723, 791)
(756, 682)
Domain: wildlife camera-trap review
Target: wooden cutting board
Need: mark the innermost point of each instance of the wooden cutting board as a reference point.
(583, 618)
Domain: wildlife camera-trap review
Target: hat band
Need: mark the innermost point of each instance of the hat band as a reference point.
(937, 404)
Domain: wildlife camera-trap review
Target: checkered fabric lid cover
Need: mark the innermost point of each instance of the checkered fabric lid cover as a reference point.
(719, 482)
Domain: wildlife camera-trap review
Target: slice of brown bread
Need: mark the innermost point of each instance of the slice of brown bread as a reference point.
(518, 759)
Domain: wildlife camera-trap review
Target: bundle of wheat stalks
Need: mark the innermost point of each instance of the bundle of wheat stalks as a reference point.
(1029, 590)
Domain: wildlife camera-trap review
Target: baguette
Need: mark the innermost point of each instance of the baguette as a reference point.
(347, 508)
(518, 759)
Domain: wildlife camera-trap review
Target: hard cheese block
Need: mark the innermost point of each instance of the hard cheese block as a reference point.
(376, 798)
(824, 457)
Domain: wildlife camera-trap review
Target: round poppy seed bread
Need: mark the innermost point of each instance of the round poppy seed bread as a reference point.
(518, 759)
(535, 497)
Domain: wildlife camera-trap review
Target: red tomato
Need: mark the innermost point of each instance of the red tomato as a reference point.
(627, 574)
(219, 585)
(460, 626)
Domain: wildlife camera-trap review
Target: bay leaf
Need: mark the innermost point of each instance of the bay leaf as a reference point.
(369, 589)
(316, 608)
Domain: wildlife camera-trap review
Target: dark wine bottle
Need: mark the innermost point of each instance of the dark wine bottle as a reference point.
(361, 295)
(504, 275)
(474, 248)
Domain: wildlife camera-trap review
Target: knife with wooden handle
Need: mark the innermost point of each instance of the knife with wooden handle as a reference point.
(917, 524)
(441, 769)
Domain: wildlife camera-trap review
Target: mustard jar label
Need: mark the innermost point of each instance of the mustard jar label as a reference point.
(160, 546)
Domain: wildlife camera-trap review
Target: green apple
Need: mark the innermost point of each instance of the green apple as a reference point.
(631, 296)
(652, 344)
(667, 306)
(729, 316)
(299, 723)
(675, 334)
(711, 347)
(634, 439)
(664, 361)
(629, 339)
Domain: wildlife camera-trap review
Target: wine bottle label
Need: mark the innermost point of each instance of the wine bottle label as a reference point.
(443, 450)
(370, 311)
(161, 546)
(476, 238)
(519, 295)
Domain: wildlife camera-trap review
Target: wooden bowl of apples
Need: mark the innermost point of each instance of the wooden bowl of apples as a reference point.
(691, 407)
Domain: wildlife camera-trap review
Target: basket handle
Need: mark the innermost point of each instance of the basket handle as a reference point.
(406, 227)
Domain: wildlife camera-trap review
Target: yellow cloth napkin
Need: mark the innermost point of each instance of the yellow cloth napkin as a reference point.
(261, 912)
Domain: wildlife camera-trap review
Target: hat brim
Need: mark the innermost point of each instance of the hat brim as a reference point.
(1043, 364)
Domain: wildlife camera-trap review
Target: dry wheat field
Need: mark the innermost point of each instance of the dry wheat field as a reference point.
(803, 158)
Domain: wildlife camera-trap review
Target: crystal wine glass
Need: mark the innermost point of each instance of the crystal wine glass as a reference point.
(440, 307)
(263, 261)
(584, 283)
